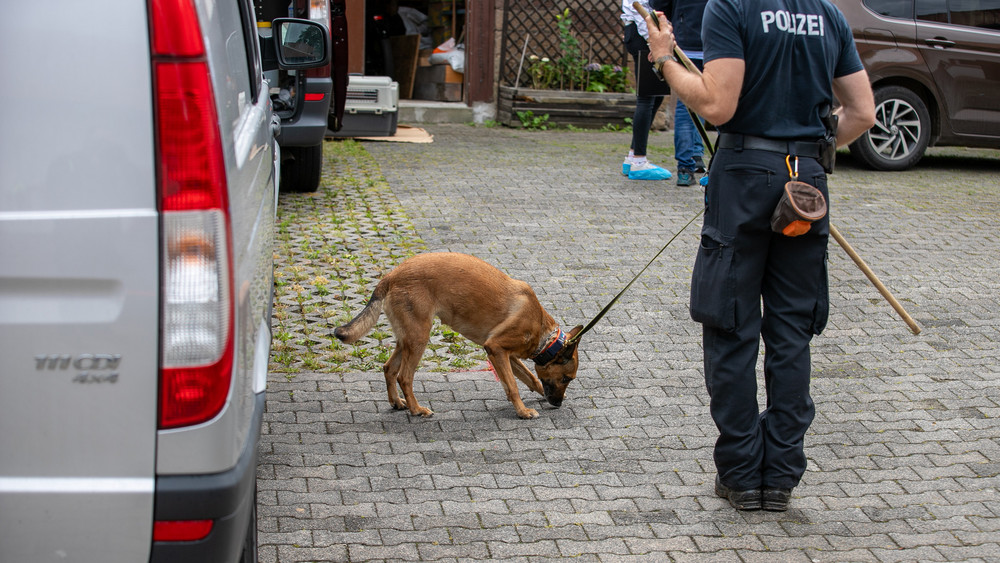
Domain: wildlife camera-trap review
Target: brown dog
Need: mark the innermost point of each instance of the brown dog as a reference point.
(481, 303)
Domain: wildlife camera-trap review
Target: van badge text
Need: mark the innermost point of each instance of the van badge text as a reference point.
(90, 368)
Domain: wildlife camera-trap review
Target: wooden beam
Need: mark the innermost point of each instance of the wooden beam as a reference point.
(355, 36)
(479, 32)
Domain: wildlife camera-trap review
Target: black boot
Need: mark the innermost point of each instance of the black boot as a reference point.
(740, 500)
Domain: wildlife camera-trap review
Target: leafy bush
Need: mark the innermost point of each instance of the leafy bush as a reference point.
(571, 71)
(606, 78)
(530, 121)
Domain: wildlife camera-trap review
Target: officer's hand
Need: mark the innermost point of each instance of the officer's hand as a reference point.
(661, 40)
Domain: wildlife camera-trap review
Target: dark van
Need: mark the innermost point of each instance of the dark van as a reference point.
(935, 70)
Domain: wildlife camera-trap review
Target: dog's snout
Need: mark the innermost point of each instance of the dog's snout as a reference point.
(553, 394)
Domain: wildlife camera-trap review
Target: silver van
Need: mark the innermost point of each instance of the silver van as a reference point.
(137, 196)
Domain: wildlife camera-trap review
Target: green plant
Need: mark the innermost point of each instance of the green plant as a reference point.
(606, 78)
(571, 70)
(543, 72)
(532, 122)
(320, 283)
(462, 363)
(572, 62)
(615, 127)
(449, 335)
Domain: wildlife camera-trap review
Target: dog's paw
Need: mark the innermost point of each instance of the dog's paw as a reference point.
(424, 412)
(400, 406)
(528, 413)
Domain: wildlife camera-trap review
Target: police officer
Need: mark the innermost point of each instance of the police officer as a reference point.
(771, 70)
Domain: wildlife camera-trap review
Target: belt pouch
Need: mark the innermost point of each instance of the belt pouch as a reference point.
(800, 205)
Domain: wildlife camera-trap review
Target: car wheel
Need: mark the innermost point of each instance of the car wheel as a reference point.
(301, 168)
(901, 133)
(250, 543)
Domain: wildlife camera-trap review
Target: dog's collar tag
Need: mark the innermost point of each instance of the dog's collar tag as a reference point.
(550, 350)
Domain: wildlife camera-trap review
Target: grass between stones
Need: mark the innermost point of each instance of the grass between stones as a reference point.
(331, 247)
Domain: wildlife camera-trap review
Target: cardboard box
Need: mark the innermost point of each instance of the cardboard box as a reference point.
(439, 73)
(438, 82)
(424, 57)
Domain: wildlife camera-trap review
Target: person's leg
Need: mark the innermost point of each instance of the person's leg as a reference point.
(642, 121)
(688, 146)
(636, 166)
(684, 133)
(731, 342)
(787, 331)
(731, 381)
(684, 149)
(643, 114)
(796, 303)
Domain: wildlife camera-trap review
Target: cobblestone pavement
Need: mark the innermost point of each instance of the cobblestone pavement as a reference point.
(904, 453)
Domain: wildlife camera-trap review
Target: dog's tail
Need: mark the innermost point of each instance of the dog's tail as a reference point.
(366, 319)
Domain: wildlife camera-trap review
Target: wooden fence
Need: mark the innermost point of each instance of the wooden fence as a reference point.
(596, 24)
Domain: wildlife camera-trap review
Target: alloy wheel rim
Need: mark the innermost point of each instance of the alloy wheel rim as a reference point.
(896, 131)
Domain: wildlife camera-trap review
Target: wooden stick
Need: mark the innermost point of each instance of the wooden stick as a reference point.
(638, 7)
(688, 64)
(517, 80)
(677, 50)
(874, 279)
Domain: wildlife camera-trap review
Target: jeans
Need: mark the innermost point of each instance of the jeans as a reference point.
(687, 140)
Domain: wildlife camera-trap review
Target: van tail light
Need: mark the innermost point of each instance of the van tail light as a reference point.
(319, 11)
(196, 346)
(181, 530)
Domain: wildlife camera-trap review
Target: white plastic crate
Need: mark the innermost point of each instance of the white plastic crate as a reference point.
(371, 108)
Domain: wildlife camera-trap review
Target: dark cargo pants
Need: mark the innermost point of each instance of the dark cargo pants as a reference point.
(742, 265)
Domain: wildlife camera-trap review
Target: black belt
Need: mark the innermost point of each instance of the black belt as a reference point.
(809, 149)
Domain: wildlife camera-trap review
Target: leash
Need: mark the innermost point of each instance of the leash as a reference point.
(711, 150)
(607, 307)
(702, 131)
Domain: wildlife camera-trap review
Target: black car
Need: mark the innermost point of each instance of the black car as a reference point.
(308, 102)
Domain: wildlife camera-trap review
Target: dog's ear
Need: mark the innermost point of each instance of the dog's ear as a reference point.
(566, 354)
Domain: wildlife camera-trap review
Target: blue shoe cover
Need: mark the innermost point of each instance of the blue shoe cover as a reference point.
(626, 166)
(652, 173)
(703, 181)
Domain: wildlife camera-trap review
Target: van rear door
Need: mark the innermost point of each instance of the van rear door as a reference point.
(79, 279)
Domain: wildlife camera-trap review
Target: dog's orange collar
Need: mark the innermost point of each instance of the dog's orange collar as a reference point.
(550, 347)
